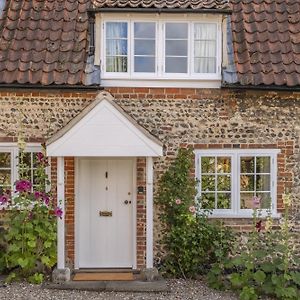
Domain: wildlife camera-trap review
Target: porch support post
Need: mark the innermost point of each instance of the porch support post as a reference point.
(61, 221)
(149, 212)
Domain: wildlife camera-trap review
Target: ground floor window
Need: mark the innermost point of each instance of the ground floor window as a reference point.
(228, 180)
(11, 166)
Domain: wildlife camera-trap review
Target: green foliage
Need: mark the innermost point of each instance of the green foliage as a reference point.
(265, 265)
(29, 240)
(191, 242)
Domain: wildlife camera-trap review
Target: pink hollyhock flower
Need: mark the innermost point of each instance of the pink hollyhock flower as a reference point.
(192, 209)
(46, 199)
(40, 156)
(256, 202)
(4, 199)
(37, 195)
(178, 201)
(58, 212)
(258, 226)
(23, 186)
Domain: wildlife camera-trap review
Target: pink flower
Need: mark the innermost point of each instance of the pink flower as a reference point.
(46, 199)
(178, 201)
(37, 195)
(258, 226)
(58, 212)
(256, 202)
(23, 186)
(4, 199)
(192, 209)
(41, 158)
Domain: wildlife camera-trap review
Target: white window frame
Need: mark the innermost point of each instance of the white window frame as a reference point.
(159, 78)
(235, 154)
(14, 150)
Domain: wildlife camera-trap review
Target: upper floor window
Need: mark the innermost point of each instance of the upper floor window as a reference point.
(230, 179)
(160, 48)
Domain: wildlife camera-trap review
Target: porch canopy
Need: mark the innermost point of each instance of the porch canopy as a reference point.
(103, 129)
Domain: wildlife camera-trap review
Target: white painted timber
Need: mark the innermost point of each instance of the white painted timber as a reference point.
(105, 185)
(61, 221)
(149, 213)
(104, 130)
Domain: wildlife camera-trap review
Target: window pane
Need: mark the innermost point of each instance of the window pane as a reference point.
(116, 47)
(207, 164)
(263, 164)
(176, 65)
(116, 30)
(263, 183)
(205, 65)
(144, 64)
(247, 182)
(208, 183)
(224, 183)
(176, 31)
(265, 200)
(116, 64)
(247, 200)
(205, 31)
(224, 200)
(5, 177)
(205, 49)
(144, 47)
(176, 48)
(144, 30)
(5, 160)
(208, 201)
(223, 165)
(247, 164)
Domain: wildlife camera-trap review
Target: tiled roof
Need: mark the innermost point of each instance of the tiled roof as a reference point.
(266, 39)
(43, 42)
(46, 42)
(192, 4)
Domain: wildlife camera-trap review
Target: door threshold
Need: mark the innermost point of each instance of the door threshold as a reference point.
(106, 270)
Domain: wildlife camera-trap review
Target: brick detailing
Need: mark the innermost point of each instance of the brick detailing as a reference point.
(141, 214)
(70, 209)
(53, 166)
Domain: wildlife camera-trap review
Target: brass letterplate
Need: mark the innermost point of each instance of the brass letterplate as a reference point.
(105, 213)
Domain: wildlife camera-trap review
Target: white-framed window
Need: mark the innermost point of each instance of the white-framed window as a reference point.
(9, 165)
(229, 179)
(157, 47)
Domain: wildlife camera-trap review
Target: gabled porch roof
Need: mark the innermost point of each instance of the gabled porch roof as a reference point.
(103, 129)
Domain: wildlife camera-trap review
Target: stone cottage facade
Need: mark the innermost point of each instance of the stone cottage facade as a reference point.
(240, 112)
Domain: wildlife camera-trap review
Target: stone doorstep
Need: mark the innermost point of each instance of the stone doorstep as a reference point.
(111, 286)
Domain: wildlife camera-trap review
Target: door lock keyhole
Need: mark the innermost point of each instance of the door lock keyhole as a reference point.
(127, 202)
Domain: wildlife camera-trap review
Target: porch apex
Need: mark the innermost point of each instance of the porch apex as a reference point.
(103, 129)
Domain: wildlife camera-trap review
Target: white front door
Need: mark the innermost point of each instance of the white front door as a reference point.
(105, 188)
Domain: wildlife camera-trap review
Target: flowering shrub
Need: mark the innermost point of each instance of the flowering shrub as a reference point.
(191, 242)
(265, 265)
(29, 240)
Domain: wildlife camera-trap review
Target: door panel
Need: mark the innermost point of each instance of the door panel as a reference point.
(105, 185)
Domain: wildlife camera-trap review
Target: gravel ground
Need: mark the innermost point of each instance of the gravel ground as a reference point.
(180, 289)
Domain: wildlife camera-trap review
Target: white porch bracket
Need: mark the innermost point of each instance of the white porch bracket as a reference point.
(149, 212)
(61, 221)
